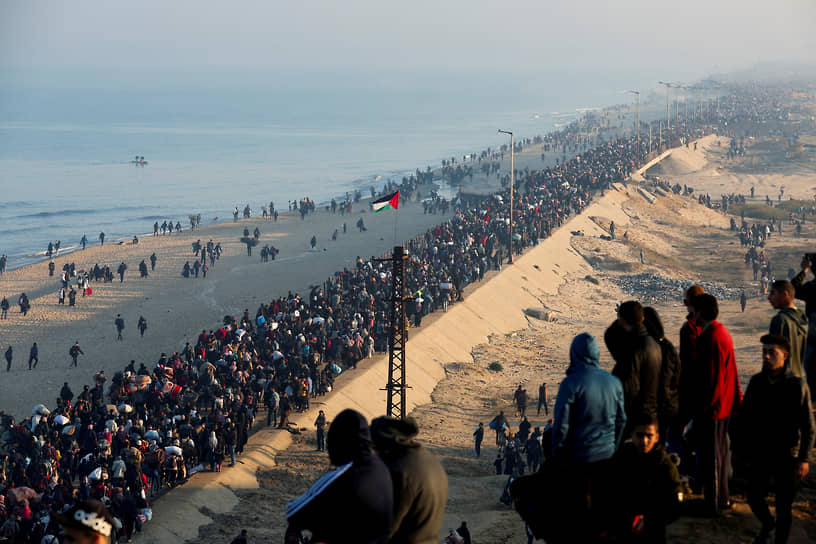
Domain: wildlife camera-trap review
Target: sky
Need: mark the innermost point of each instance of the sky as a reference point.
(682, 40)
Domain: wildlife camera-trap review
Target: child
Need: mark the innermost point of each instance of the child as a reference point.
(647, 486)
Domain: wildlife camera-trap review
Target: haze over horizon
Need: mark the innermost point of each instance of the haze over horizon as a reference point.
(88, 42)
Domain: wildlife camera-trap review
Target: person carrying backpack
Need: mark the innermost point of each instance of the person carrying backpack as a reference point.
(668, 400)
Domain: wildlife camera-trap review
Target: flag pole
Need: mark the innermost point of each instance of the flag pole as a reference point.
(396, 214)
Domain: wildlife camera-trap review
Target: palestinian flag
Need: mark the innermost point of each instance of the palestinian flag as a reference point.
(388, 201)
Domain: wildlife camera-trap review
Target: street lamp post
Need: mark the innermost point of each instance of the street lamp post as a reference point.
(637, 96)
(512, 172)
(668, 109)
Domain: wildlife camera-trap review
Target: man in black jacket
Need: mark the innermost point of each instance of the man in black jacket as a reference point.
(645, 495)
(638, 361)
(773, 435)
(354, 503)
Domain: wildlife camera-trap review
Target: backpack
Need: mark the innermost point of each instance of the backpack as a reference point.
(667, 393)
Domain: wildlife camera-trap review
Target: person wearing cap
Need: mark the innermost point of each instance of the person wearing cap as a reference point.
(773, 435)
(86, 522)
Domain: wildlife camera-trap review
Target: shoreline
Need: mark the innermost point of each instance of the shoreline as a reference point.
(362, 184)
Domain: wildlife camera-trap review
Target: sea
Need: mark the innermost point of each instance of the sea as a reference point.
(66, 150)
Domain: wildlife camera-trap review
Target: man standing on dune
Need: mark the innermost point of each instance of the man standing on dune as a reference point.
(791, 323)
(718, 397)
(588, 427)
(543, 400)
(777, 402)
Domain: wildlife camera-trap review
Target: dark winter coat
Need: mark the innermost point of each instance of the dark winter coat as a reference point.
(646, 485)
(775, 420)
(638, 361)
(420, 482)
(354, 503)
(793, 325)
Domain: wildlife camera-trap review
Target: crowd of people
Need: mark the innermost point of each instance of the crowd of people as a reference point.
(624, 447)
(123, 439)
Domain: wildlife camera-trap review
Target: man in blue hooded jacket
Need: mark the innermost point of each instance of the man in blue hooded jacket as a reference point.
(588, 427)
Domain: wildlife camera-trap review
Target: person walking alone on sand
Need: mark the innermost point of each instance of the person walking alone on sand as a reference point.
(142, 325)
(75, 351)
(33, 356)
(120, 326)
(543, 400)
(478, 436)
(9, 355)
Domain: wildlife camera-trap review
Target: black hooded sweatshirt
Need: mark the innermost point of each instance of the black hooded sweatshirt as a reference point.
(354, 503)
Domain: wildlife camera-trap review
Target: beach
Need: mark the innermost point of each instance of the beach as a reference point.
(176, 308)
(571, 274)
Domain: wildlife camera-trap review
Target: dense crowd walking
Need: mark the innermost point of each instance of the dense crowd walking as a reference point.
(153, 424)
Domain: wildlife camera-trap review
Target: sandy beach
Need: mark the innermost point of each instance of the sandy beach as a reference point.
(176, 309)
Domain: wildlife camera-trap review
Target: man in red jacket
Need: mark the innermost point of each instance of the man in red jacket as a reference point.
(719, 398)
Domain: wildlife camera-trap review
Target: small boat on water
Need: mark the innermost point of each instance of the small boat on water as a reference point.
(139, 160)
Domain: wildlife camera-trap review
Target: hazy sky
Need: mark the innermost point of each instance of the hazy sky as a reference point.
(687, 38)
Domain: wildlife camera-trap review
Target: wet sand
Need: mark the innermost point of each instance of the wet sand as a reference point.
(176, 309)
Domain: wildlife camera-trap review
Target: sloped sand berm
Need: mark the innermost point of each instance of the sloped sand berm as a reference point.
(492, 307)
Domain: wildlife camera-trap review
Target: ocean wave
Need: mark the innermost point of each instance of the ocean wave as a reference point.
(89, 211)
(40, 215)
(13, 204)
(14, 231)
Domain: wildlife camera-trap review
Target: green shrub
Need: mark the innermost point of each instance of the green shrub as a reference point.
(495, 367)
(592, 279)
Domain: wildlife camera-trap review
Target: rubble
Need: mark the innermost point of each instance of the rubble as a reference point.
(650, 288)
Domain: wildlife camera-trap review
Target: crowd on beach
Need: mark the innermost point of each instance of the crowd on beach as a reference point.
(154, 424)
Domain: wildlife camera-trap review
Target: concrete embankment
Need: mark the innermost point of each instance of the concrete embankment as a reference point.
(494, 306)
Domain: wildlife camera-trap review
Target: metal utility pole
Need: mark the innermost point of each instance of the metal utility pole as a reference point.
(659, 136)
(637, 123)
(512, 172)
(397, 385)
(668, 109)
